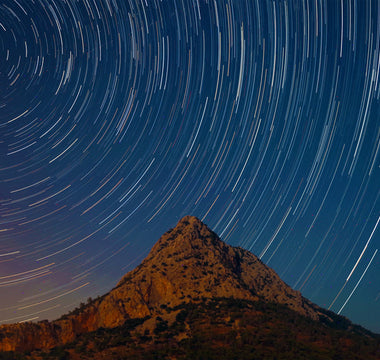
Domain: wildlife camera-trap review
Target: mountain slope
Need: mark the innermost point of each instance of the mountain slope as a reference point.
(220, 329)
(191, 261)
(189, 264)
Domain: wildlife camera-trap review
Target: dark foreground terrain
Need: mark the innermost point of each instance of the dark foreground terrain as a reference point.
(221, 329)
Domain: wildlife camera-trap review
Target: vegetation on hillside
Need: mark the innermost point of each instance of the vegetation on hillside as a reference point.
(221, 329)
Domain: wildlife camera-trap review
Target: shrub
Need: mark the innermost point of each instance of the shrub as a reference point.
(181, 316)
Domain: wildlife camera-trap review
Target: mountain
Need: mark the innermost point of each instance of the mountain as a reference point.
(189, 271)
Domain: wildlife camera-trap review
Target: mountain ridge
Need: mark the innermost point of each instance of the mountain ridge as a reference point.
(188, 264)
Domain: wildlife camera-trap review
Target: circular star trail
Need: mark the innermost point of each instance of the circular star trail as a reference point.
(119, 117)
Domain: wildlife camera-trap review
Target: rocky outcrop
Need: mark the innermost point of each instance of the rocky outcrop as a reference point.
(188, 263)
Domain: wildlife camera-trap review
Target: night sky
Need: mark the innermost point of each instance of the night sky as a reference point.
(119, 117)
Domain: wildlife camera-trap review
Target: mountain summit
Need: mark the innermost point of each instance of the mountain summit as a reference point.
(188, 265)
(191, 262)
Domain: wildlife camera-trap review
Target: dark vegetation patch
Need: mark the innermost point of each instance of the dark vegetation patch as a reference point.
(224, 329)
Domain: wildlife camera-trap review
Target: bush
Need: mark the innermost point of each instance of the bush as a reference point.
(181, 316)
(161, 326)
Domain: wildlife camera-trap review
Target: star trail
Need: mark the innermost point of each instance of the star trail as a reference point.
(119, 117)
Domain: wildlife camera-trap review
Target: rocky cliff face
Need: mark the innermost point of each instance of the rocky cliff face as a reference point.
(187, 264)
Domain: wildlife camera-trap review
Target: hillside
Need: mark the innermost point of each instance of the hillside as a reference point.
(190, 288)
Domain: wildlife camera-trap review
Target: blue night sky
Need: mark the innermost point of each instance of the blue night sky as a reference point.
(119, 117)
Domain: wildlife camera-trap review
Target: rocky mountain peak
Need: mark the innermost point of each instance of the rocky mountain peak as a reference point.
(189, 237)
(188, 264)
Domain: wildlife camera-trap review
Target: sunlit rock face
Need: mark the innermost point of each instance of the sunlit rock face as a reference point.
(187, 264)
